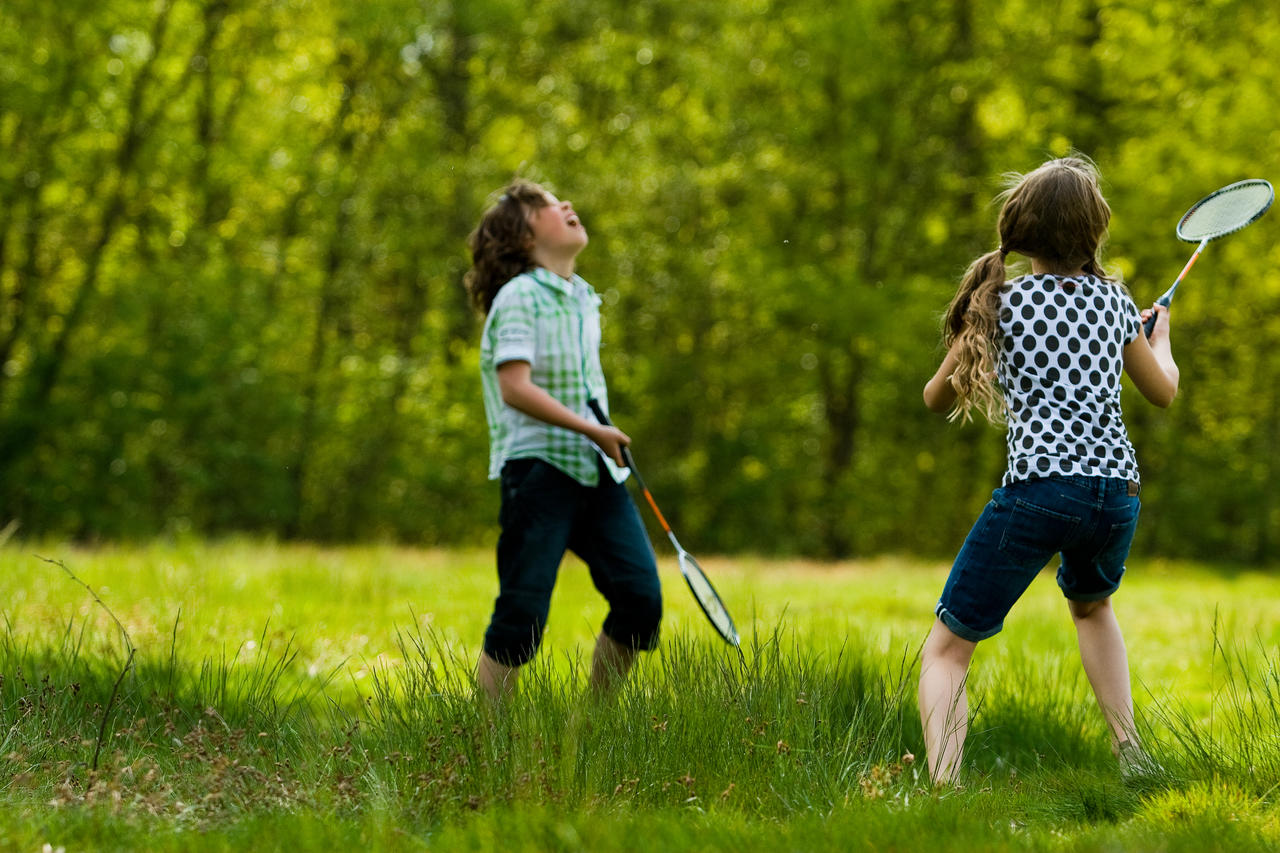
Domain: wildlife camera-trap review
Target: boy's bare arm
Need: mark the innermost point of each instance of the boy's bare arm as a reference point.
(520, 392)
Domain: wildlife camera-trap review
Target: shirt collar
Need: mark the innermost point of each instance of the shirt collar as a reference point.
(573, 287)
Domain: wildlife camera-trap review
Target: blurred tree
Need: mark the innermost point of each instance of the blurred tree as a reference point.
(232, 243)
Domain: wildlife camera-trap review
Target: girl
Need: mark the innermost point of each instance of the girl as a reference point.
(561, 470)
(1044, 352)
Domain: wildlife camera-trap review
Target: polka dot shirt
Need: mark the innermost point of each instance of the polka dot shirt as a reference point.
(1059, 367)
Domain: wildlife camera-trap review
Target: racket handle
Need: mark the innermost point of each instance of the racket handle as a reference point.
(598, 411)
(1150, 325)
(1168, 294)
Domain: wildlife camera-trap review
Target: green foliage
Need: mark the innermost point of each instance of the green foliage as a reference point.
(232, 241)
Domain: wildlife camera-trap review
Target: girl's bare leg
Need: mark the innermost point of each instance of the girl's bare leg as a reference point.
(1106, 662)
(944, 705)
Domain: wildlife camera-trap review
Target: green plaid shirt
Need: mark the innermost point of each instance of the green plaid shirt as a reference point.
(554, 325)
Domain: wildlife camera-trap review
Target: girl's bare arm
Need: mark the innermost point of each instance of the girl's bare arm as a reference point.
(1149, 361)
(939, 395)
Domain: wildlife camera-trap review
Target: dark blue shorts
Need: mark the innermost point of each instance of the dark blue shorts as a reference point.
(546, 512)
(1090, 521)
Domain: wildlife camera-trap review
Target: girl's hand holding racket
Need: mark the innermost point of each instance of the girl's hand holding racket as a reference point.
(1158, 328)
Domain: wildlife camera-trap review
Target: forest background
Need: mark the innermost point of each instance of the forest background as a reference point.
(232, 244)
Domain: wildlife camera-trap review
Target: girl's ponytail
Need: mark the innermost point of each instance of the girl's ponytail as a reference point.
(1056, 214)
(973, 322)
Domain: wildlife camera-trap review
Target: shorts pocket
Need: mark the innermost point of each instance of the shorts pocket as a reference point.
(1115, 550)
(1034, 533)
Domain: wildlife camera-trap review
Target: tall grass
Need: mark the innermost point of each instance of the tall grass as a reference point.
(792, 745)
(771, 733)
(1239, 740)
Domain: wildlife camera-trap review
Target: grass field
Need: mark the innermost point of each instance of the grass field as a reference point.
(303, 698)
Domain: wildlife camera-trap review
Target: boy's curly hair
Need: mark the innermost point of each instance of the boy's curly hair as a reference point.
(501, 244)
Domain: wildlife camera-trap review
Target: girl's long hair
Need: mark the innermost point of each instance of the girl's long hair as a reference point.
(502, 244)
(1056, 214)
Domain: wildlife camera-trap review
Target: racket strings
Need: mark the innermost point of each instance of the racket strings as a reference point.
(707, 598)
(1226, 211)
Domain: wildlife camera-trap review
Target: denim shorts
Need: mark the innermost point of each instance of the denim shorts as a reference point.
(1090, 521)
(545, 512)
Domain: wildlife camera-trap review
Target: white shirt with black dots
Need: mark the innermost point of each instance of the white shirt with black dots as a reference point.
(1059, 364)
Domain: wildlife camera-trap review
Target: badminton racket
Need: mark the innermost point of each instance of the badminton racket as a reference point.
(1221, 212)
(703, 592)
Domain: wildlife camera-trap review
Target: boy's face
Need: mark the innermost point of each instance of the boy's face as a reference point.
(556, 228)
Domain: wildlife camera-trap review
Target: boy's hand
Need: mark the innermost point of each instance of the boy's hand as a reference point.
(611, 440)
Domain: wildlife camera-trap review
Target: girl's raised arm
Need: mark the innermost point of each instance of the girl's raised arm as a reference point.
(1149, 361)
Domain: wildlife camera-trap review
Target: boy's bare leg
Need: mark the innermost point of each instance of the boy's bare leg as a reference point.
(609, 665)
(496, 681)
(944, 705)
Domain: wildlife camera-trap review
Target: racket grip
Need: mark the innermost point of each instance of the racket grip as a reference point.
(598, 411)
(1150, 325)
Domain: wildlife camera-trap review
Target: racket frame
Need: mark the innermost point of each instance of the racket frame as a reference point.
(689, 569)
(1204, 240)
